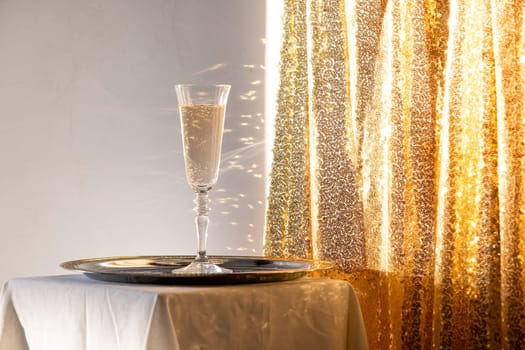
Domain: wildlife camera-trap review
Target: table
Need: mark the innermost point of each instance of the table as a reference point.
(75, 312)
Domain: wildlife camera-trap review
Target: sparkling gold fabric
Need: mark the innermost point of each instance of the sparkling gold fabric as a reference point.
(399, 156)
(289, 229)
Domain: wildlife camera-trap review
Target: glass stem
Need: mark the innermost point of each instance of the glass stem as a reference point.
(201, 221)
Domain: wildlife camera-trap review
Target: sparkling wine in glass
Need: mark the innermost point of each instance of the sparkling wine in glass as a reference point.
(202, 109)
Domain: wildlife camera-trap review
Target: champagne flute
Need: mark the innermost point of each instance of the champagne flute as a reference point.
(202, 109)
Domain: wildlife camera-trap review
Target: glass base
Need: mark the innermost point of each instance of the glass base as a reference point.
(201, 268)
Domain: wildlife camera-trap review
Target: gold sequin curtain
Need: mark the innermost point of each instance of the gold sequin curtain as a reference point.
(399, 156)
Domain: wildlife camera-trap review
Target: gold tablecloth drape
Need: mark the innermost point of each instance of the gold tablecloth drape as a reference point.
(399, 156)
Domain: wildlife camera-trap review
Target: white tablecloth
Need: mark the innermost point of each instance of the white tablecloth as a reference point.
(73, 312)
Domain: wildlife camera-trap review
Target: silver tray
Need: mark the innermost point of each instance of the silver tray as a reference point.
(157, 269)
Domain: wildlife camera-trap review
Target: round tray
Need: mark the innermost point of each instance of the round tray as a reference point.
(157, 269)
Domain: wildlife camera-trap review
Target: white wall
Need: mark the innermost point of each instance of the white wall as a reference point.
(90, 148)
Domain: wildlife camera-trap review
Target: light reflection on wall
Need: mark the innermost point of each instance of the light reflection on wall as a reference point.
(239, 195)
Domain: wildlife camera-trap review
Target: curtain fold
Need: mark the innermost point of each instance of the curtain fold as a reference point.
(399, 156)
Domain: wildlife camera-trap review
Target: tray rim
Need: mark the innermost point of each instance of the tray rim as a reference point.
(238, 277)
